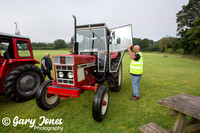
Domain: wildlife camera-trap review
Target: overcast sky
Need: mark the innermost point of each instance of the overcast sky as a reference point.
(48, 20)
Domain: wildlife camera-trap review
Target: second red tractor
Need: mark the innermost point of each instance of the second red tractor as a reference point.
(20, 78)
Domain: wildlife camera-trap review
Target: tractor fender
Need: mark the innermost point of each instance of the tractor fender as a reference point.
(114, 55)
(39, 91)
(29, 61)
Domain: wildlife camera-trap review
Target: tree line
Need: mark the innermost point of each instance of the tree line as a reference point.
(57, 44)
(166, 44)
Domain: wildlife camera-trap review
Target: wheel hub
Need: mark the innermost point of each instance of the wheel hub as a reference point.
(104, 103)
(28, 83)
(50, 99)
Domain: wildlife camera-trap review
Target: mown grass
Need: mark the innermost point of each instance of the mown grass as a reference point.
(163, 77)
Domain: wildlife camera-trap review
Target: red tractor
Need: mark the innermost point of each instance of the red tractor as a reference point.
(19, 77)
(97, 57)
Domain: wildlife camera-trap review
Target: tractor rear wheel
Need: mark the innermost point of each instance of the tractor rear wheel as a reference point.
(22, 83)
(100, 103)
(115, 78)
(44, 100)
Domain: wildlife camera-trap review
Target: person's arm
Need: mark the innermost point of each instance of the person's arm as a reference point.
(43, 63)
(44, 66)
(130, 52)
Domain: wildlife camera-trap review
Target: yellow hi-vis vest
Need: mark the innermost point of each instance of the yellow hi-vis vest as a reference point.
(136, 67)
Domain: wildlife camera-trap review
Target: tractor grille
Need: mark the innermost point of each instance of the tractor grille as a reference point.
(65, 75)
(56, 60)
(68, 60)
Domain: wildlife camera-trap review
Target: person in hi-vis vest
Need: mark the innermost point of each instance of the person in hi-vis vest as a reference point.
(136, 69)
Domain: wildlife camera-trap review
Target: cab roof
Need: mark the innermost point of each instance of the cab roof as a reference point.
(99, 25)
(9, 36)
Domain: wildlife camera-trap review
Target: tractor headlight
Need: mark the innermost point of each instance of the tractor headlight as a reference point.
(70, 75)
(61, 74)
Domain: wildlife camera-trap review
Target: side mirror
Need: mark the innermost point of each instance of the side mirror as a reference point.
(72, 40)
(118, 40)
(113, 35)
(75, 46)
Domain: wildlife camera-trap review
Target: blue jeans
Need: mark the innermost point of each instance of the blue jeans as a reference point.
(136, 85)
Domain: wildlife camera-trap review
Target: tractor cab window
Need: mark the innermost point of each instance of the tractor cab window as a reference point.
(7, 49)
(3, 46)
(23, 48)
(91, 40)
(121, 38)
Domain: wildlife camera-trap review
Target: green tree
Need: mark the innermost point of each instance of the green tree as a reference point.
(137, 41)
(146, 43)
(38, 44)
(59, 44)
(165, 43)
(186, 21)
(143, 43)
(194, 36)
(154, 47)
(69, 45)
(176, 44)
(49, 44)
(34, 44)
(42, 44)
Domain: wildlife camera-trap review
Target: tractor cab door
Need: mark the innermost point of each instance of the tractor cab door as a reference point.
(121, 38)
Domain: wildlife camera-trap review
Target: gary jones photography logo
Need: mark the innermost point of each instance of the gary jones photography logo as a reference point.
(42, 124)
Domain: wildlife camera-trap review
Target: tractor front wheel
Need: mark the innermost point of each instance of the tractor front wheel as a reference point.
(100, 103)
(22, 83)
(44, 100)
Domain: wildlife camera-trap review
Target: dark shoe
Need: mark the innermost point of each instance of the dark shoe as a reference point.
(134, 98)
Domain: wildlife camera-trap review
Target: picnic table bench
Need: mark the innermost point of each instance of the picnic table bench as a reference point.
(152, 128)
(180, 105)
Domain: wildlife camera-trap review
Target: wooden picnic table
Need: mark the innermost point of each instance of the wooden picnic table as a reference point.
(180, 106)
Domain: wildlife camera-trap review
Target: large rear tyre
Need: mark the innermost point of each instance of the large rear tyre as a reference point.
(100, 103)
(22, 83)
(44, 100)
(115, 78)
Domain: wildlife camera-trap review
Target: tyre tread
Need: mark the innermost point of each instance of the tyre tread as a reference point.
(9, 81)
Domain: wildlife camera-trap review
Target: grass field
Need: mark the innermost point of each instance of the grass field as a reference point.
(163, 77)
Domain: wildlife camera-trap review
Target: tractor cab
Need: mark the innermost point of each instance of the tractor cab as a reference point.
(107, 44)
(15, 47)
(19, 77)
(93, 40)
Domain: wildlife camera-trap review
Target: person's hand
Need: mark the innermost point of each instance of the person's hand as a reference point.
(45, 68)
(128, 47)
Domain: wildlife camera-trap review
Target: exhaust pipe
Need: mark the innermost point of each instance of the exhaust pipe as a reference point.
(75, 44)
